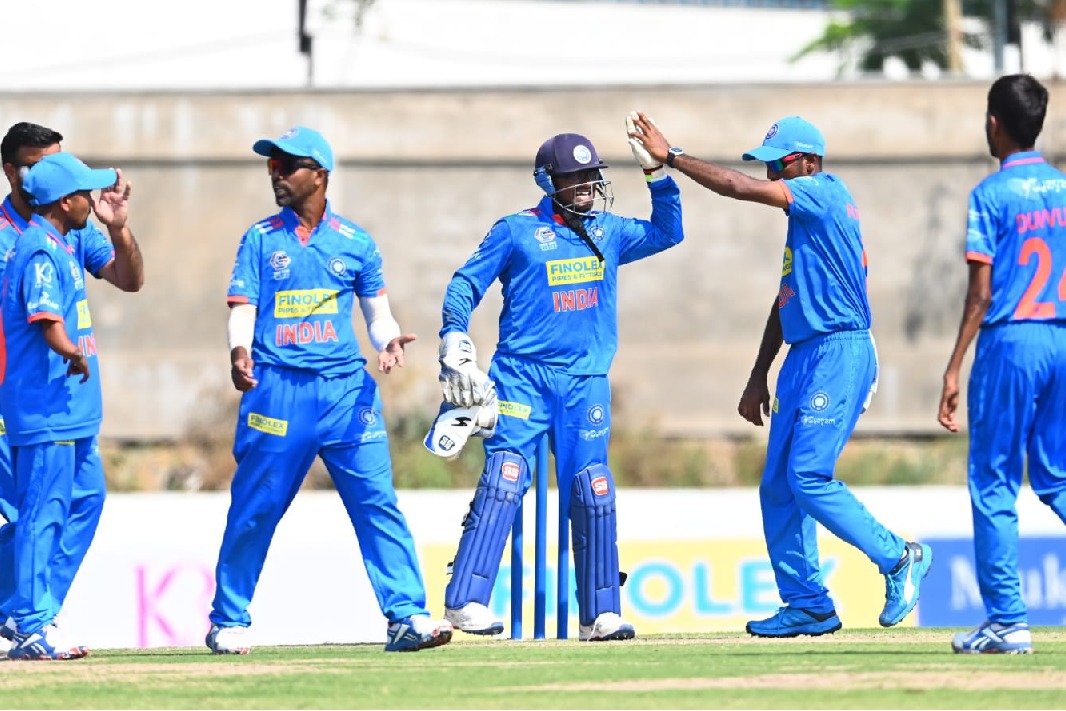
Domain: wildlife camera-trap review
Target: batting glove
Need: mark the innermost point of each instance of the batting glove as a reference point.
(653, 169)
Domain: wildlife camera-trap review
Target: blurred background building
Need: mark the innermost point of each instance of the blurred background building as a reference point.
(435, 109)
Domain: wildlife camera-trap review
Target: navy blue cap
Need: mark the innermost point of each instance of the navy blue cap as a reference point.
(299, 141)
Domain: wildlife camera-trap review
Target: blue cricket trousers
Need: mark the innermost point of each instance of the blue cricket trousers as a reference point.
(284, 422)
(1016, 410)
(60, 488)
(537, 401)
(821, 389)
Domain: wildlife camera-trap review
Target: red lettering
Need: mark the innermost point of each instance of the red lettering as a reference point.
(87, 345)
(1039, 219)
(306, 332)
(576, 299)
(784, 295)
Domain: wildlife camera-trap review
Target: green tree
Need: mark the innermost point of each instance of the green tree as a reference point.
(914, 31)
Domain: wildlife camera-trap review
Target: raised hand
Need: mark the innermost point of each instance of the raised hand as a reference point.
(112, 206)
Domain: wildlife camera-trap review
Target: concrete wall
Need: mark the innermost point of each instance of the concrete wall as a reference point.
(427, 172)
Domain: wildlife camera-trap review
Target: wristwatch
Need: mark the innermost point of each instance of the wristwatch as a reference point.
(674, 153)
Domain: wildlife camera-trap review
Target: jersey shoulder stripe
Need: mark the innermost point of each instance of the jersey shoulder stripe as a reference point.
(268, 225)
(346, 228)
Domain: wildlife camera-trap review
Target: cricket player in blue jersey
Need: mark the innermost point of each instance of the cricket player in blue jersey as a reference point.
(307, 393)
(1016, 308)
(558, 265)
(117, 261)
(825, 383)
(51, 399)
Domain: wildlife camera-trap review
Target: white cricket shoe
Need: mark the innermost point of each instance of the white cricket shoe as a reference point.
(607, 627)
(474, 618)
(228, 640)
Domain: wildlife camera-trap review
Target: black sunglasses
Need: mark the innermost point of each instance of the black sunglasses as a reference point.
(287, 165)
(776, 166)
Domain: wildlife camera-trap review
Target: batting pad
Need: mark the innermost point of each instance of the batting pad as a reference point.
(485, 530)
(594, 528)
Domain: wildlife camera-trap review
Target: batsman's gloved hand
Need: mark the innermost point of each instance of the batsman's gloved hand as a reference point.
(462, 383)
(653, 169)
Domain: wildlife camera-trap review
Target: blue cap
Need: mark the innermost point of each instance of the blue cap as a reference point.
(299, 141)
(567, 153)
(60, 174)
(789, 135)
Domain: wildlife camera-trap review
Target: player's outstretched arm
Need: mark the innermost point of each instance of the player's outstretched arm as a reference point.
(724, 181)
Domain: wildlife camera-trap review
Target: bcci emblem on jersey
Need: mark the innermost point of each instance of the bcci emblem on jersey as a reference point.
(337, 267)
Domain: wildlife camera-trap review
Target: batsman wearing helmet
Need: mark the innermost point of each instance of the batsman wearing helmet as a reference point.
(558, 265)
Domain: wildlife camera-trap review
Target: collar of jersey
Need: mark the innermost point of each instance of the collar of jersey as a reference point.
(1023, 158)
(545, 207)
(53, 234)
(8, 211)
(291, 220)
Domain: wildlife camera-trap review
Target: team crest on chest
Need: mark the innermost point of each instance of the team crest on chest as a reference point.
(280, 262)
(546, 237)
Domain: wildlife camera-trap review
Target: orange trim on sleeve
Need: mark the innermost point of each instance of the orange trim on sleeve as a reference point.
(45, 316)
(978, 257)
(786, 190)
(381, 291)
(236, 300)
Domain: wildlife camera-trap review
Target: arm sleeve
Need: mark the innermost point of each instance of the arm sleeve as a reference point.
(643, 238)
(980, 227)
(244, 283)
(371, 278)
(240, 329)
(42, 289)
(808, 198)
(380, 324)
(469, 284)
(96, 249)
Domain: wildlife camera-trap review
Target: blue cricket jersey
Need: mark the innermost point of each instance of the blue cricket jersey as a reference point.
(1017, 223)
(92, 249)
(44, 281)
(823, 277)
(559, 300)
(304, 287)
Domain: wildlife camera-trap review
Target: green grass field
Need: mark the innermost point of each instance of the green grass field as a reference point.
(904, 668)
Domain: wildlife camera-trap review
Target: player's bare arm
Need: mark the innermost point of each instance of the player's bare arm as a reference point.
(724, 181)
(755, 400)
(978, 298)
(126, 270)
(55, 335)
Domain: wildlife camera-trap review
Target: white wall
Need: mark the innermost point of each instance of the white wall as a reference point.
(696, 561)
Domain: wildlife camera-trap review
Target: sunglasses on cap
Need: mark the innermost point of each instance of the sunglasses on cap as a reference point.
(287, 165)
(776, 166)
